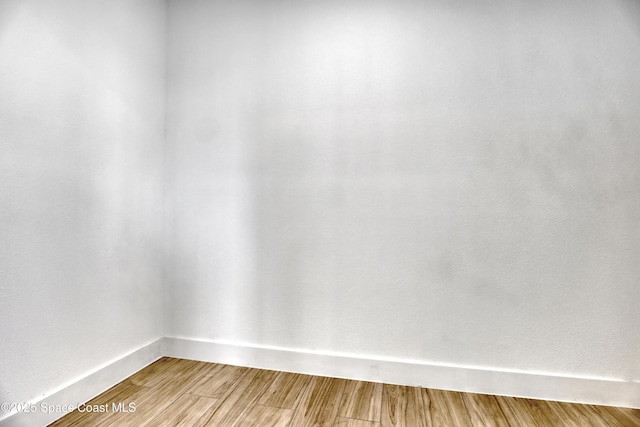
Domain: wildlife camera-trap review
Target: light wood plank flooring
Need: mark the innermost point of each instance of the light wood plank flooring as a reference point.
(177, 392)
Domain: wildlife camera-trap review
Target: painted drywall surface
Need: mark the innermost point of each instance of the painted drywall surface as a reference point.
(451, 182)
(81, 150)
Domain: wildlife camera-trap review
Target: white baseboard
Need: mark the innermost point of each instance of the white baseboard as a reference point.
(413, 373)
(458, 378)
(85, 388)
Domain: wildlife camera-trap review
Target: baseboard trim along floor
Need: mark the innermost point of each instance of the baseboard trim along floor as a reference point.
(410, 373)
(50, 406)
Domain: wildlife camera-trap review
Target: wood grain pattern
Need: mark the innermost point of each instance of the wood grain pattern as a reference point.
(154, 400)
(121, 392)
(445, 408)
(152, 374)
(527, 412)
(402, 407)
(167, 370)
(285, 391)
(175, 392)
(484, 410)
(245, 395)
(350, 422)
(218, 381)
(541, 412)
(361, 400)
(320, 404)
(617, 416)
(575, 415)
(266, 416)
(144, 396)
(186, 410)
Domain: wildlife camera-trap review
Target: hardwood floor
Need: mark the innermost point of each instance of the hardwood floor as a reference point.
(176, 392)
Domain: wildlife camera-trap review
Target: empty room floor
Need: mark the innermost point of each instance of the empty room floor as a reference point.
(174, 392)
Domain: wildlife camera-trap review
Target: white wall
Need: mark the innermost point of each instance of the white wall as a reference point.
(449, 182)
(445, 182)
(81, 133)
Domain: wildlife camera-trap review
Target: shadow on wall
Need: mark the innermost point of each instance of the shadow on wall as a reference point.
(76, 34)
(630, 10)
(9, 12)
(416, 182)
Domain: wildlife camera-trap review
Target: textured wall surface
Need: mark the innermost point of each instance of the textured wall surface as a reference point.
(81, 149)
(453, 182)
(448, 182)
